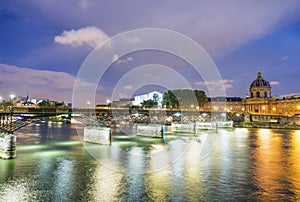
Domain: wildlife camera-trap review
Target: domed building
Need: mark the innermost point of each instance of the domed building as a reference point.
(260, 88)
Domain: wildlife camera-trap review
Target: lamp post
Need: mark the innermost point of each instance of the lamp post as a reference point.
(89, 112)
(108, 102)
(11, 109)
(12, 96)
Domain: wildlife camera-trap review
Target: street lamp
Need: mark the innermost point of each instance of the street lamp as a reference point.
(11, 109)
(12, 96)
(88, 103)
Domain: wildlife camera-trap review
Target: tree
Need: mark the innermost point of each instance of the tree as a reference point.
(201, 97)
(45, 104)
(170, 100)
(149, 103)
(184, 98)
(155, 97)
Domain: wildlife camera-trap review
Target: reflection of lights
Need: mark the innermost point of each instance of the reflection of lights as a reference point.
(177, 114)
(136, 114)
(136, 161)
(52, 153)
(263, 107)
(31, 147)
(265, 134)
(63, 179)
(223, 114)
(20, 190)
(237, 115)
(68, 143)
(241, 131)
(107, 183)
(19, 118)
(204, 114)
(157, 148)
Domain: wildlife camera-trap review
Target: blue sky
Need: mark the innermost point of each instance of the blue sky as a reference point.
(39, 51)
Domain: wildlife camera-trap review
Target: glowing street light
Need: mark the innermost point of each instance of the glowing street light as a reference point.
(12, 96)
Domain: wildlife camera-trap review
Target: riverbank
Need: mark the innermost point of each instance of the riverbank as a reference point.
(267, 125)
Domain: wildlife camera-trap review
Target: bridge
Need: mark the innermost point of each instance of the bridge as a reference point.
(18, 117)
(15, 118)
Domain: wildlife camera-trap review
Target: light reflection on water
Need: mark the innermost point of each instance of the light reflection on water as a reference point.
(246, 164)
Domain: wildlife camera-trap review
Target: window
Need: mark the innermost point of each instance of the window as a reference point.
(257, 94)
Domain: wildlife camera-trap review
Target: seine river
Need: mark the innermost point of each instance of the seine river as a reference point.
(239, 164)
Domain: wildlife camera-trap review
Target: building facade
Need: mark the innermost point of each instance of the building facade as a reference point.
(154, 95)
(260, 106)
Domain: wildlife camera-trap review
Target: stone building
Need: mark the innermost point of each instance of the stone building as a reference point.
(260, 107)
(260, 88)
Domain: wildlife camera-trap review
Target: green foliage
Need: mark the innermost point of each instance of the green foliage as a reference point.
(170, 100)
(184, 98)
(149, 103)
(5, 105)
(45, 104)
(155, 97)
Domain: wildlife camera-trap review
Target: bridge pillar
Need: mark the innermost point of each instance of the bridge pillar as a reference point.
(150, 130)
(100, 135)
(8, 146)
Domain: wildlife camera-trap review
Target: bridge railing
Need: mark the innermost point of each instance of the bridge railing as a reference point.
(36, 110)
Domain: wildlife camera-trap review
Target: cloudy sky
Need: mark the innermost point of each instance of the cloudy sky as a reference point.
(44, 43)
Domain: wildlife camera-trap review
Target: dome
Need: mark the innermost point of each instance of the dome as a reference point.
(260, 82)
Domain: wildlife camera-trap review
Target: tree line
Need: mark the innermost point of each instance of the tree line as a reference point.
(178, 99)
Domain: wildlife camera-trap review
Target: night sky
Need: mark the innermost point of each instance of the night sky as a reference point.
(44, 43)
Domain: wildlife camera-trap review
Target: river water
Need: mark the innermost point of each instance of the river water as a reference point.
(52, 164)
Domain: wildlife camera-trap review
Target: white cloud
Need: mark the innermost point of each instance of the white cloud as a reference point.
(89, 36)
(118, 60)
(290, 95)
(83, 4)
(128, 87)
(115, 58)
(274, 83)
(211, 84)
(40, 83)
(122, 95)
(285, 57)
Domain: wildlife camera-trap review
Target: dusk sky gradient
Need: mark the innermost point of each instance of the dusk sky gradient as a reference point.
(44, 43)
